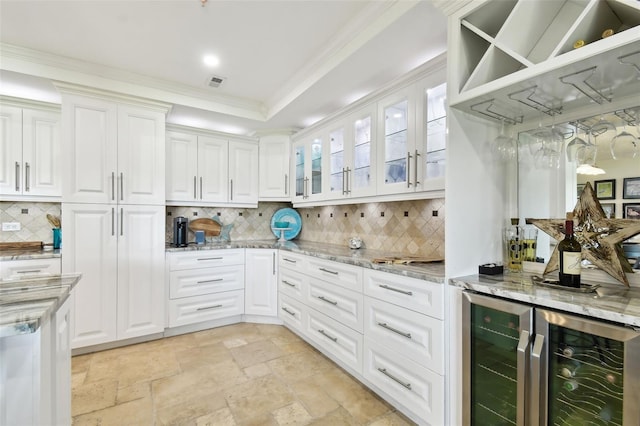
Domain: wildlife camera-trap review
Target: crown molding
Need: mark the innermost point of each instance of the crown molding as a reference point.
(28, 103)
(207, 132)
(65, 69)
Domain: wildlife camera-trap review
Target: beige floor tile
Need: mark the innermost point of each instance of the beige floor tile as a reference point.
(256, 352)
(203, 355)
(392, 419)
(77, 379)
(183, 387)
(93, 396)
(338, 417)
(138, 413)
(314, 397)
(257, 397)
(299, 365)
(257, 370)
(291, 415)
(146, 365)
(188, 410)
(131, 393)
(221, 417)
(80, 363)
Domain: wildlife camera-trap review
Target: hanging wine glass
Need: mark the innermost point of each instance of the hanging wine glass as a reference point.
(601, 127)
(624, 145)
(575, 144)
(504, 145)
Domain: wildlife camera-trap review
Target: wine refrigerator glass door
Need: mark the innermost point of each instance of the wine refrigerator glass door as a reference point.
(592, 373)
(496, 353)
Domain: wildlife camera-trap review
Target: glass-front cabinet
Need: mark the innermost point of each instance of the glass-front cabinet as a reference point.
(308, 168)
(434, 125)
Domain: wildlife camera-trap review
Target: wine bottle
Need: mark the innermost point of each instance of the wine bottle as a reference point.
(607, 33)
(578, 44)
(570, 252)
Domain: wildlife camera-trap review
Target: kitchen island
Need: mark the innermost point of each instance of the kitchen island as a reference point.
(35, 373)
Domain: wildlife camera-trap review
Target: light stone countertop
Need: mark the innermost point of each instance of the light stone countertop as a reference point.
(27, 303)
(433, 272)
(612, 302)
(45, 253)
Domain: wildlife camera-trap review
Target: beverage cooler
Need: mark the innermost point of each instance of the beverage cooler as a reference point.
(525, 365)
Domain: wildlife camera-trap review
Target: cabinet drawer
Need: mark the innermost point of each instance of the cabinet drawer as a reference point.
(415, 387)
(416, 336)
(190, 310)
(348, 276)
(205, 259)
(335, 339)
(29, 267)
(293, 261)
(339, 303)
(418, 295)
(293, 284)
(194, 282)
(293, 313)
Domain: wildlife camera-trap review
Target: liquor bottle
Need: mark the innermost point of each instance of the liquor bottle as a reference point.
(570, 252)
(513, 242)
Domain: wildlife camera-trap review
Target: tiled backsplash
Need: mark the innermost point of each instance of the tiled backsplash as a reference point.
(32, 218)
(404, 227)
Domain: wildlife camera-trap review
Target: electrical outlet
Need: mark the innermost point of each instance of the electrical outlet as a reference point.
(10, 226)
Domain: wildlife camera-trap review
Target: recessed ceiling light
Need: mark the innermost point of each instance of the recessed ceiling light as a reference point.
(211, 60)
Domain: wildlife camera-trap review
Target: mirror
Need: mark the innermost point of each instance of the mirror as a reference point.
(555, 162)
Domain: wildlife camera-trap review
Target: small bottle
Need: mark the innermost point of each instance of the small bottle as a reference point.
(570, 252)
(570, 385)
(568, 370)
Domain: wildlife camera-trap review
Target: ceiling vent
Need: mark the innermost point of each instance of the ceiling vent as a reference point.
(215, 81)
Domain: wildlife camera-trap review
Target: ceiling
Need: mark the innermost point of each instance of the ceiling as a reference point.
(285, 64)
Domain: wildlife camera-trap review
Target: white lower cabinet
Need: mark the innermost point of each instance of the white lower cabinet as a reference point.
(405, 382)
(385, 329)
(13, 269)
(261, 282)
(204, 285)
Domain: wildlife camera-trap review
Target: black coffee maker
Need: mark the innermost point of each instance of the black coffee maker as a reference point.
(180, 231)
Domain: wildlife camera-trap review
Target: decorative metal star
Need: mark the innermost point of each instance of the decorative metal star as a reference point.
(601, 238)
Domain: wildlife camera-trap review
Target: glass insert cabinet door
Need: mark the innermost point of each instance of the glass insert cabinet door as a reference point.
(496, 337)
(299, 165)
(338, 170)
(361, 179)
(316, 166)
(436, 131)
(395, 142)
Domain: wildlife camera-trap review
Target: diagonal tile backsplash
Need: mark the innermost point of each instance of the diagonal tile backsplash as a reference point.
(32, 217)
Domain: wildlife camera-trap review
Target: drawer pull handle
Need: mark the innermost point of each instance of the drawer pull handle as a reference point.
(394, 378)
(288, 283)
(209, 307)
(293, 314)
(326, 270)
(211, 281)
(288, 260)
(324, 299)
(209, 258)
(328, 336)
(395, 330)
(408, 293)
(32, 271)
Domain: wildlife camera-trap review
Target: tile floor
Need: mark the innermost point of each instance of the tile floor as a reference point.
(243, 374)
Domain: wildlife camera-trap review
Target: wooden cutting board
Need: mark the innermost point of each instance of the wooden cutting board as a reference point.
(22, 245)
(405, 260)
(210, 227)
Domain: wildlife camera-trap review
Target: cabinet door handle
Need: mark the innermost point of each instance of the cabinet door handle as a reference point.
(286, 184)
(204, 308)
(17, 176)
(31, 271)
(536, 360)
(305, 190)
(195, 195)
(288, 283)
(409, 169)
(328, 271)
(415, 173)
(349, 180)
(121, 186)
(201, 187)
(293, 314)
(121, 221)
(113, 221)
(211, 281)
(324, 299)
(395, 330)
(394, 378)
(288, 260)
(27, 172)
(113, 186)
(209, 258)
(274, 262)
(231, 186)
(386, 287)
(344, 182)
(522, 357)
(327, 335)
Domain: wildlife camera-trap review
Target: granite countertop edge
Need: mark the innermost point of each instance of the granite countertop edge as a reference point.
(432, 272)
(24, 314)
(18, 254)
(610, 302)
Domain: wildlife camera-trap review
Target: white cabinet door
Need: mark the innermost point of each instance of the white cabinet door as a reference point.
(16, 269)
(11, 150)
(213, 154)
(182, 166)
(90, 247)
(361, 153)
(243, 172)
(61, 365)
(309, 168)
(261, 282)
(274, 154)
(89, 150)
(41, 153)
(141, 156)
(141, 289)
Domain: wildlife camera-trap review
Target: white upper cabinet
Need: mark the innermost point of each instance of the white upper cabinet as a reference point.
(514, 59)
(309, 168)
(30, 148)
(113, 153)
(210, 169)
(274, 155)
